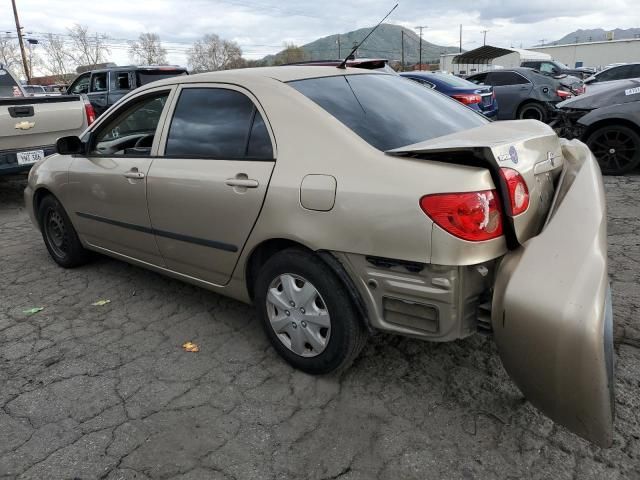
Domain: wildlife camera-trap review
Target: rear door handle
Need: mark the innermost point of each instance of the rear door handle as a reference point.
(242, 182)
(134, 173)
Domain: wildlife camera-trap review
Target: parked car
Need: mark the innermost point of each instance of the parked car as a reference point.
(523, 93)
(553, 67)
(608, 120)
(105, 87)
(30, 126)
(619, 72)
(341, 201)
(480, 99)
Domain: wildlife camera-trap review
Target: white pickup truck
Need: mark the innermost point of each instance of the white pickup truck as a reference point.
(30, 126)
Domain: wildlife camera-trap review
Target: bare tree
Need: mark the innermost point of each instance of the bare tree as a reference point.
(148, 50)
(56, 60)
(87, 48)
(213, 53)
(10, 55)
(291, 54)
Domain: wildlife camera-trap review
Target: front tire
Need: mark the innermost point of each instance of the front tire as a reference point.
(59, 236)
(616, 147)
(307, 313)
(532, 111)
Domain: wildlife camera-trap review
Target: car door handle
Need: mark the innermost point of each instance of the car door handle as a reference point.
(242, 182)
(134, 173)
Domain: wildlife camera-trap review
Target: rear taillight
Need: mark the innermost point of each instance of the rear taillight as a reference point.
(563, 95)
(518, 191)
(473, 216)
(468, 98)
(91, 113)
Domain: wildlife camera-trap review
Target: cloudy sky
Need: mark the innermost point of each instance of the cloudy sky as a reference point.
(262, 26)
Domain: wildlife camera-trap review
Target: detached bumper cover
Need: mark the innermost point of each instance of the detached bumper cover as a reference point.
(551, 310)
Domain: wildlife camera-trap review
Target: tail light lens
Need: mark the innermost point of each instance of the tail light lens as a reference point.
(563, 95)
(468, 98)
(473, 216)
(91, 113)
(518, 191)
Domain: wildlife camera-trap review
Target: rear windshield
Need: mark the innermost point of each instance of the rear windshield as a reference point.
(145, 77)
(388, 111)
(452, 80)
(6, 84)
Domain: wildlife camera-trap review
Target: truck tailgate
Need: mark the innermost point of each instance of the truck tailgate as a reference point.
(39, 121)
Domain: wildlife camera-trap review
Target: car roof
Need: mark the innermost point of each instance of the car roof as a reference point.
(281, 73)
(169, 68)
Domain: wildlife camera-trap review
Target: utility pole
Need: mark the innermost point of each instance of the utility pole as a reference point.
(421, 28)
(460, 39)
(542, 40)
(484, 40)
(402, 49)
(339, 50)
(19, 31)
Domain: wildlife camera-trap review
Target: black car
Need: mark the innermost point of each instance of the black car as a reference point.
(607, 119)
(523, 93)
(554, 68)
(105, 87)
(619, 72)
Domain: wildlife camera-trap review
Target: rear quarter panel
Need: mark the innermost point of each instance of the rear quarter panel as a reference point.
(376, 209)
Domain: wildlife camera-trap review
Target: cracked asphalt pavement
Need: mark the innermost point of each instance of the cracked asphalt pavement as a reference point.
(107, 391)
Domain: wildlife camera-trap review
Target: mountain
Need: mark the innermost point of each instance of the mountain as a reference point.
(386, 42)
(596, 35)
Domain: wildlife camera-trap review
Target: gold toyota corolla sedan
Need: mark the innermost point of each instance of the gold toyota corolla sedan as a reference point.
(344, 201)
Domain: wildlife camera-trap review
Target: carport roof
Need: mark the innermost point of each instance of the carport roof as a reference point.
(487, 53)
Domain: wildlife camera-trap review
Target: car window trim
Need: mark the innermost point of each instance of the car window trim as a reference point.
(139, 97)
(257, 106)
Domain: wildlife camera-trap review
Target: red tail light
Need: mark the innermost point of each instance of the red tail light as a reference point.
(518, 191)
(473, 216)
(91, 113)
(468, 98)
(563, 95)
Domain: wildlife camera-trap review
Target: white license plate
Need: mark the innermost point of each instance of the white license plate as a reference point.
(27, 158)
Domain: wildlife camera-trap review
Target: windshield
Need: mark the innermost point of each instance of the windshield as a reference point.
(388, 111)
(6, 84)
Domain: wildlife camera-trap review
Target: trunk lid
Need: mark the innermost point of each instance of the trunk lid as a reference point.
(527, 146)
(39, 121)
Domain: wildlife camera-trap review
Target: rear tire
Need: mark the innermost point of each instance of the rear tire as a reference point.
(307, 313)
(532, 111)
(617, 149)
(59, 236)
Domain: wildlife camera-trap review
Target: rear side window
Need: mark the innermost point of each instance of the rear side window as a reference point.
(388, 111)
(6, 84)
(121, 81)
(148, 76)
(99, 82)
(498, 79)
(217, 123)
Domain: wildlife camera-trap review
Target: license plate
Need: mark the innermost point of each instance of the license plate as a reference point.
(27, 158)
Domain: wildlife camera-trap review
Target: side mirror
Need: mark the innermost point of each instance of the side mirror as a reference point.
(71, 145)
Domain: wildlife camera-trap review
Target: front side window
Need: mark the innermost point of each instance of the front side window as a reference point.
(499, 79)
(81, 85)
(478, 79)
(388, 111)
(131, 130)
(547, 68)
(217, 123)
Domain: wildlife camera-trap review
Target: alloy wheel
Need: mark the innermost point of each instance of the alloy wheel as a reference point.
(298, 315)
(614, 149)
